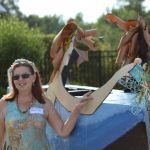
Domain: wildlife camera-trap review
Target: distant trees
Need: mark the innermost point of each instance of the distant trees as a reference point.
(128, 9)
(47, 24)
(31, 36)
(11, 7)
(17, 40)
(130, 5)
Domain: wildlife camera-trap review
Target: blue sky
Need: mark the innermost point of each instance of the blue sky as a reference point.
(91, 9)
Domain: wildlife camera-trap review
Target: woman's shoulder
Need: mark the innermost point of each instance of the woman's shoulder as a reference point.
(48, 107)
(3, 103)
(48, 103)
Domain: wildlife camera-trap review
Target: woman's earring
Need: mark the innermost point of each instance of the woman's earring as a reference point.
(33, 84)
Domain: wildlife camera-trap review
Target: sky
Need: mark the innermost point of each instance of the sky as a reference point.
(91, 9)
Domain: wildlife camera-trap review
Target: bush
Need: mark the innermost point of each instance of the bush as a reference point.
(17, 40)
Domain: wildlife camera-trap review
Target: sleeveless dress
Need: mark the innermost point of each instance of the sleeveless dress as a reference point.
(26, 131)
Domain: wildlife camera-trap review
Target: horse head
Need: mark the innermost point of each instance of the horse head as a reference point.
(56, 89)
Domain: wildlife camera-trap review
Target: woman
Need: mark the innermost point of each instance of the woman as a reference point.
(25, 110)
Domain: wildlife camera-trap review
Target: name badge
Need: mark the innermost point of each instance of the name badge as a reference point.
(36, 110)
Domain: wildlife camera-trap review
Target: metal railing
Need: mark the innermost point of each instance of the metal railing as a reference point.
(97, 71)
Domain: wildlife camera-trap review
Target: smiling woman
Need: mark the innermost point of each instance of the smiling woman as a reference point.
(25, 110)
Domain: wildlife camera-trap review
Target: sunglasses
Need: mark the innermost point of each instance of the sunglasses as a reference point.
(24, 76)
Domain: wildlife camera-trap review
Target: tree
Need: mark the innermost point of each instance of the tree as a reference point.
(47, 24)
(135, 5)
(127, 10)
(11, 7)
(18, 41)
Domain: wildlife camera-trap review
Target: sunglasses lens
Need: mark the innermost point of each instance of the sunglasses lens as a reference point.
(16, 77)
(24, 76)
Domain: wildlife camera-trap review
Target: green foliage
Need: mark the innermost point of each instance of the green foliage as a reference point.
(110, 34)
(147, 18)
(11, 7)
(18, 41)
(46, 65)
(47, 24)
(130, 5)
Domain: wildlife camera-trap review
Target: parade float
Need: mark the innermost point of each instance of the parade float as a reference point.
(111, 120)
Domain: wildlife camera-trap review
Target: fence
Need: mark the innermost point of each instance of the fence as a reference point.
(97, 71)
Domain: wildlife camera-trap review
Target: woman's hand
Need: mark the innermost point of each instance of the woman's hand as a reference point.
(61, 128)
(84, 100)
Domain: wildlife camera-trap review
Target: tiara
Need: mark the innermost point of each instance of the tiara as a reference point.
(22, 61)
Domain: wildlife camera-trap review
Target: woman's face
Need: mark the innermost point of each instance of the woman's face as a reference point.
(23, 79)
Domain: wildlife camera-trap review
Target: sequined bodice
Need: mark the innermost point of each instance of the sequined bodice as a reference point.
(26, 131)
